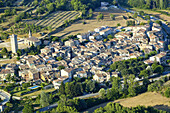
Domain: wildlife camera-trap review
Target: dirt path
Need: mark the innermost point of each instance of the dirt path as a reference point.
(153, 99)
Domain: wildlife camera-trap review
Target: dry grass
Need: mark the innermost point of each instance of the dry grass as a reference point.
(153, 99)
(91, 24)
(7, 61)
(147, 99)
(36, 93)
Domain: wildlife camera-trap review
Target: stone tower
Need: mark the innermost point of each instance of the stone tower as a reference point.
(30, 34)
(14, 43)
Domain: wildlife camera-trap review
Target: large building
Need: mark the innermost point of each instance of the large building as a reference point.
(32, 40)
(14, 43)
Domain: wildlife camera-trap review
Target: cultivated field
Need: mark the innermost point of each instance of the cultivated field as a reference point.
(55, 19)
(91, 24)
(153, 99)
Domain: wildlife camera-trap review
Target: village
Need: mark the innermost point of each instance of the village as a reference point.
(90, 55)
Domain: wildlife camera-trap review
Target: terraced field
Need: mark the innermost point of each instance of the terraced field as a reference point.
(54, 19)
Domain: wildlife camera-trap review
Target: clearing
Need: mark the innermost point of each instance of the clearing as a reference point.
(91, 24)
(153, 99)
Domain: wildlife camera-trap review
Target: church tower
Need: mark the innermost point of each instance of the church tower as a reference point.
(14, 43)
(30, 34)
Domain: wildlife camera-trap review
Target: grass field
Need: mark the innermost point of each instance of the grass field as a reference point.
(159, 15)
(91, 24)
(153, 99)
(55, 19)
(36, 93)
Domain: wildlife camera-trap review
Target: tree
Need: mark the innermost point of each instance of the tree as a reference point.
(62, 88)
(158, 22)
(4, 50)
(158, 69)
(50, 7)
(78, 89)
(100, 16)
(55, 39)
(28, 109)
(141, 13)
(144, 73)
(118, 24)
(116, 83)
(112, 16)
(69, 89)
(66, 109)
(92, 86)
(8, 77)
(44, 99)
(102, 93)
(167, 92)
(110, 37)
(59, 58)
(19, 52)
(35, 2)
(109, 94)
(135, 15)
(147, 17)
(61, 67)
(146, 81)
(132, 85)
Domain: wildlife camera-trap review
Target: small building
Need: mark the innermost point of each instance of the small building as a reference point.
(161, 58)
(106, 32)
(104, 4)
(67, 72)
(58, 82)
(96, 36)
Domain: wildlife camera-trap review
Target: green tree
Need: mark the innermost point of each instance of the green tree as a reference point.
(112, 16)
(61, 67)
(135, 15)
(92, 86)
(158, 69)
(55, 39)
(50, 7)
(59, 58)
(102, 93)
(4, 50)
(69, 89)
(167, 92)
(144, 73)
(62, 88)
(118, 24)
(110, 37)
(78, 89)
(8, 77)
(116, 83)
(100, 16)
(28, 109)
(44, 99)
(132, 85)
(141, 13)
